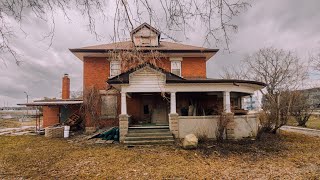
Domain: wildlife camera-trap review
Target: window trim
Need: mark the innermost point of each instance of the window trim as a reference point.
(110, 68)
(176, 60)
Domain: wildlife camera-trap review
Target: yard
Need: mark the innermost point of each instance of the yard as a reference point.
(313, 123)
(287, 156)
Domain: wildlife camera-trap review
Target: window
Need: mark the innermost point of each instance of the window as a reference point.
(176, 66)
(114, 68)
(145, 40)
(109, 106)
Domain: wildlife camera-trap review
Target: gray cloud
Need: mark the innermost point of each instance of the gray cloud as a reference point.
(288, 24)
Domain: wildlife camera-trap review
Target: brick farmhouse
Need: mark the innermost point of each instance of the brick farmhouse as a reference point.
(148, 82)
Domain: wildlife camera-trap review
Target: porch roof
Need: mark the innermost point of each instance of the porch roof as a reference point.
(123, 78)
(218, 81)
(171, 78)
(54, 102)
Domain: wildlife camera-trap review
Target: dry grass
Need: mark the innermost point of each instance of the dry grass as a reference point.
(314, 122)
(289, 156)
(14, 123)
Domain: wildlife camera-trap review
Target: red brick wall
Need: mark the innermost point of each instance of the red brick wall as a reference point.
(134, 107)
(193, 67)
(50, 115)
(96, 71)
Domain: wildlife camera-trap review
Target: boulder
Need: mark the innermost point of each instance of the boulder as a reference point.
(190, 141)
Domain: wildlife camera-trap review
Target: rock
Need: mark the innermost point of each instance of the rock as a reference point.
(100, 141)
(109, 141)
(190, 141)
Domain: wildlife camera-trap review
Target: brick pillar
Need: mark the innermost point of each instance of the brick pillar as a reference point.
(65, 87)
(123, 126)
(174, 124)
(230, 126)
(50, 115)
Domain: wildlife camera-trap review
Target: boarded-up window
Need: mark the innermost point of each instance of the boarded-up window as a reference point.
(115, 68)
(109, 106)
(145, 41)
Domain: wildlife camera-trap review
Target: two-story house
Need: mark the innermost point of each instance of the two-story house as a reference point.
(147, 82)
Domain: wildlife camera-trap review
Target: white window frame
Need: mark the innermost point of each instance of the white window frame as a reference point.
(113, 63)
(176, 62)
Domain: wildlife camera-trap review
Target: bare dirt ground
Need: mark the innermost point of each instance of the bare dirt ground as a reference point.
(288, 156)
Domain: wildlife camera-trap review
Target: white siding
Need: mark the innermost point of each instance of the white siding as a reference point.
(143, 34)
(147, 78)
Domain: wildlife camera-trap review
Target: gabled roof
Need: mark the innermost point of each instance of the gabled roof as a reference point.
(123, 78)
(147, 26)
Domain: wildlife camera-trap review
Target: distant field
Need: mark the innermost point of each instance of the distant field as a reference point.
(14, 123)
(314, 122)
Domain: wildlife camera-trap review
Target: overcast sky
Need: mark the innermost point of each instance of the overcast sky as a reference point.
(288, 24)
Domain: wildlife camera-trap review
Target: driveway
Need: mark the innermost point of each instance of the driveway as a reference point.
(301, 130)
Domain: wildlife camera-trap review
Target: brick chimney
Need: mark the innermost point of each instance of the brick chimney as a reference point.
(65, 87)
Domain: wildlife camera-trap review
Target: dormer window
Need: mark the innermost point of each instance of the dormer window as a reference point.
(146, 41)
(176, 66)
(145, 35)
(115, 68)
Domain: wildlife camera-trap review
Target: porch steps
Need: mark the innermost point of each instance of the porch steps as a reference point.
(149, 135)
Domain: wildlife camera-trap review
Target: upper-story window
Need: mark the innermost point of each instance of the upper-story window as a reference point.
(115, 68)
(145, 41)
(176, 66)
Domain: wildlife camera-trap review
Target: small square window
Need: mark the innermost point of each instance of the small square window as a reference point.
(145, 40)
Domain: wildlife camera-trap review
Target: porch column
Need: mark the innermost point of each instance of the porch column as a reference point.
(123, 118)
(173, 116)
(243, 102)
(173, 104)
(123, 103)
(228, 115)
(226, 102)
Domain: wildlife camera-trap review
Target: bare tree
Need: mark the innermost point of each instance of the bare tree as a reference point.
(283, 73)
(173, 15)
(301, 109)
(315, 60)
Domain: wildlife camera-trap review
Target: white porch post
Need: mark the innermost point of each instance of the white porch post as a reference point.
(226, 102)
(243, 102)
(173, 104)
(123, 103)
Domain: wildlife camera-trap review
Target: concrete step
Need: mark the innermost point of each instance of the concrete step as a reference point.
(149, 142)
(149, 127)
(143, 138)
(147, 130)
(138, 134)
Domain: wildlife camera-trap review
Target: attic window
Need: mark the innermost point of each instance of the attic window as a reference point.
(114, 68)
(145, 40)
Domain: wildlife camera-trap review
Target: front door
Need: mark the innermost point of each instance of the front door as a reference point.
(147, 108)
(154, 110)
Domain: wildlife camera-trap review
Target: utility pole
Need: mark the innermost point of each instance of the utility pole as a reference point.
(27, 102)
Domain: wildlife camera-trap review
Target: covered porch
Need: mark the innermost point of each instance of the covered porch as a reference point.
(182, 112)
(198, 99)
